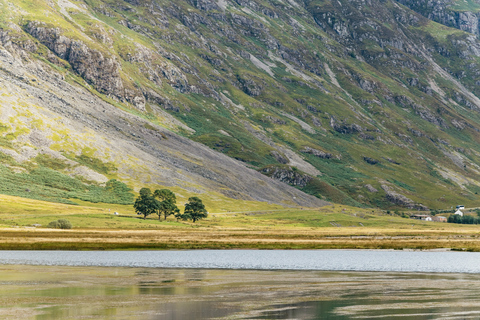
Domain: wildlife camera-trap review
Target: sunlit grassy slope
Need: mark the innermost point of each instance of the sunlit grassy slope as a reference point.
(250, 226)
(331, 227)
(19, 212)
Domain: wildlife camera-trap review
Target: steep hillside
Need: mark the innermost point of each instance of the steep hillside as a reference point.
(460, 14)
(358, 102)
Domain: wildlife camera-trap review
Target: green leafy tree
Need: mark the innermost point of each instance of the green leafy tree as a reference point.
(455, 218)
(468, 220)
(194, 209)
(167, 208)
(182, 216)
(167, 204)
(164, 194)
(146, 204)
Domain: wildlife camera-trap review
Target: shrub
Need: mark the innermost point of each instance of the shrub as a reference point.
(60, 224)
(54, 225)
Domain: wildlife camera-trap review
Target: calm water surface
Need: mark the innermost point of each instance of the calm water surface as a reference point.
(341, 260)
(223, 285)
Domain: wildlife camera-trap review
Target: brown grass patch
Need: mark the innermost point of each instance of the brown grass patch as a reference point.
(223, 239)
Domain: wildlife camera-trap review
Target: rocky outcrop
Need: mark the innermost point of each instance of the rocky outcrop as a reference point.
(288, 175)
(316, 153)
(344, 127)
(370, 188)
(370, 160)
(274, 120)
(205, 5)
(156, 69)
(99, 69)
(250, 85)
(279, 157)
(12, 40)
(401, 200)
(421, 111)
(443, 11)
(397, 198)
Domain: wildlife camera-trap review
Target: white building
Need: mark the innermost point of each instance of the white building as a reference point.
(459, 212)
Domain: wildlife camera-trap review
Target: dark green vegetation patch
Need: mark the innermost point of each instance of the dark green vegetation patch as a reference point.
(46, 184)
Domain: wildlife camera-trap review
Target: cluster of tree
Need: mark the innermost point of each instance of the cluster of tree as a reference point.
(164, 203)
(456, 218)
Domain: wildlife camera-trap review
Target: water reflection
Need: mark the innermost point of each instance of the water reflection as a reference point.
(47, 293)
(304, 310)
(201, 310)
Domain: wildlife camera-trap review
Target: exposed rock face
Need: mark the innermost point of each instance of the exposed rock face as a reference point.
(156, 69)
(274, 120)
(97, 68)
(370, 160)
(14, 43)
(370, 188)
(205, 5)
(345, 128)
(250, 86)
(441, 12)
(287, 175)
(279, 157)
(397, 198)
(317, 153)
(401, 200)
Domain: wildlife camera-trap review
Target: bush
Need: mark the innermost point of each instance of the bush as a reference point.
(54, 225)
(60, 224)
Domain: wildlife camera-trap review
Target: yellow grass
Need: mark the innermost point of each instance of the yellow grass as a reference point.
(95, 227)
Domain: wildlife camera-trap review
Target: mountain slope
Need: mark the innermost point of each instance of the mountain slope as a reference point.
(352, 101)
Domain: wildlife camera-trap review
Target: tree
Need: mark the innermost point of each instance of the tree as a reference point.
(182, 216)
(194, 209)
(165, 194)
(468, 220)
(146, 204)
(455, 218)
(167, 205)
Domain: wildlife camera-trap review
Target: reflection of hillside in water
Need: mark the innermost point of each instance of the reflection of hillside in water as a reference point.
(32, 292)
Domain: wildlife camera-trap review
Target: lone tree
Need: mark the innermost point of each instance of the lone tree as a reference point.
(167, 204)
(194, 210)
(146, 204)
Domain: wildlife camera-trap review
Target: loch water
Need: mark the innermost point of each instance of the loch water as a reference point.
(239, 284)
(328, 260)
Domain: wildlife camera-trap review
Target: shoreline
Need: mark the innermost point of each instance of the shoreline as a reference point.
(263, 239)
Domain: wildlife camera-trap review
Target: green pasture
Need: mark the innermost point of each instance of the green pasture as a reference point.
(20, 212)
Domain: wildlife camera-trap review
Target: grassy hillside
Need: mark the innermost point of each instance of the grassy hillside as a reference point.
(376, 110)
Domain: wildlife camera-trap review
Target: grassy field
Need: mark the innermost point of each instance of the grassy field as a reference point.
(336, 226)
